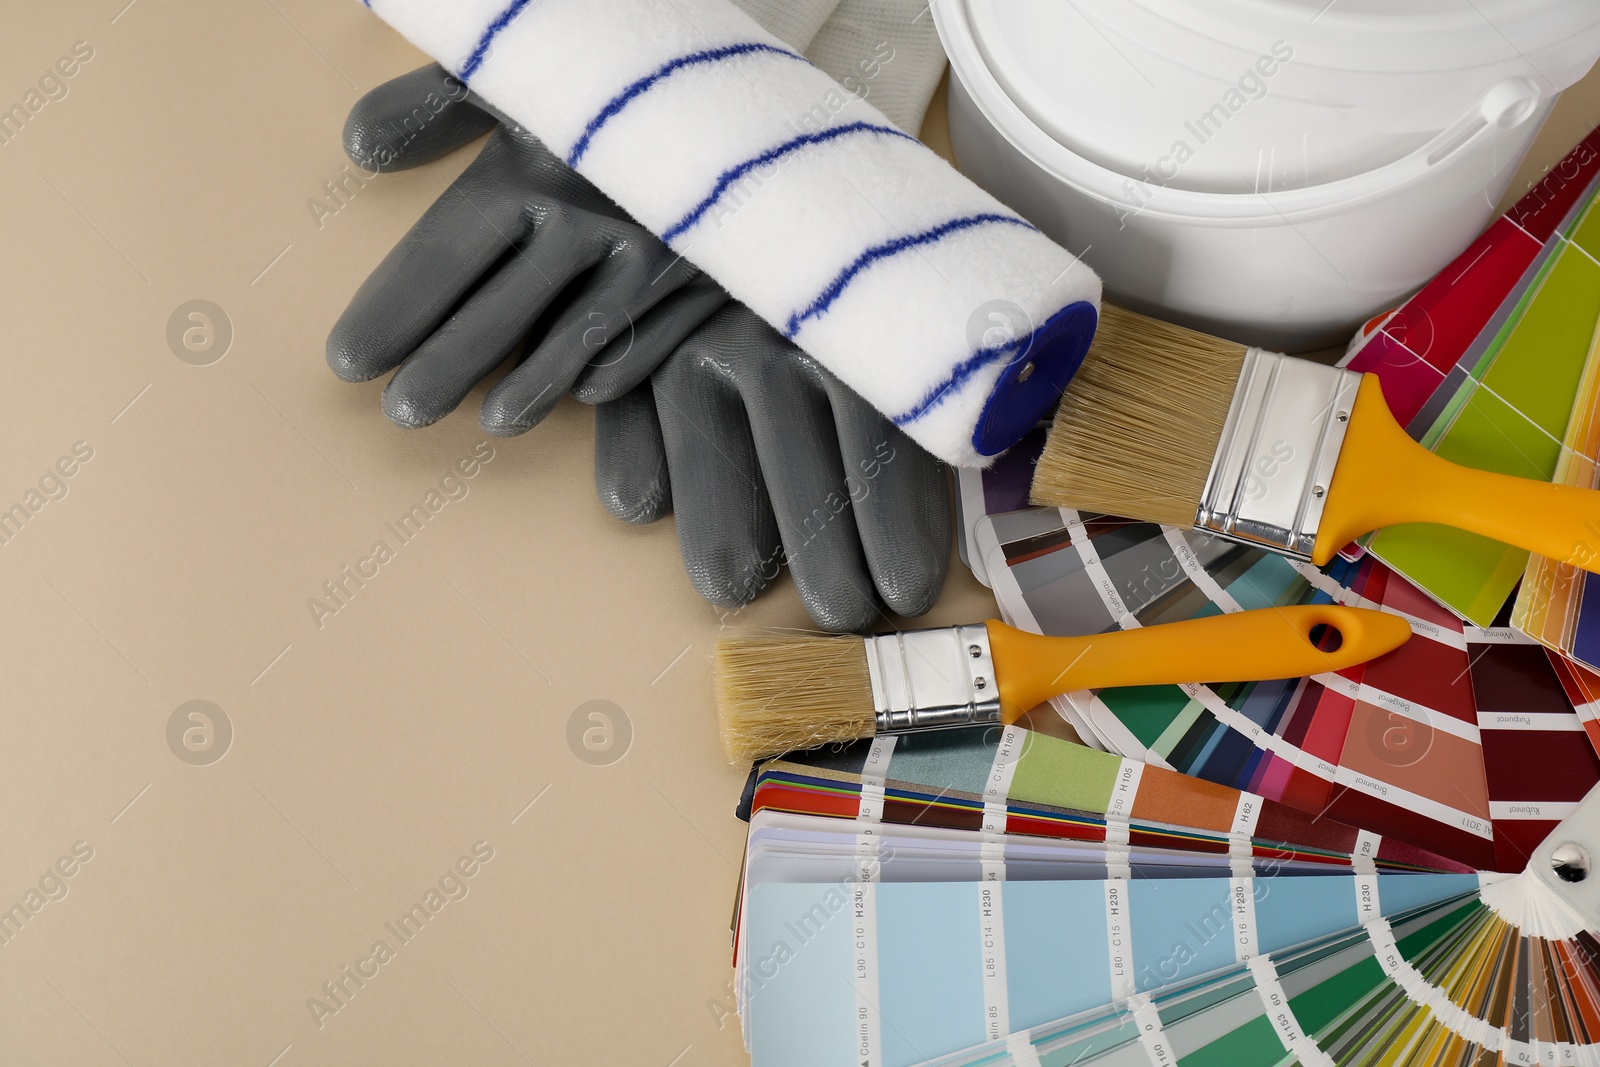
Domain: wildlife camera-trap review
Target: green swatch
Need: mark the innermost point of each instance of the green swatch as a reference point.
(1510, 418)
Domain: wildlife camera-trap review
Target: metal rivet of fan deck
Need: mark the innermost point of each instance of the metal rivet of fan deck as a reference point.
(1570, 861)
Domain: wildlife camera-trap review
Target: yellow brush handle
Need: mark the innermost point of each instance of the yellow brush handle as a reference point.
(1242, 647)
(1384, 478)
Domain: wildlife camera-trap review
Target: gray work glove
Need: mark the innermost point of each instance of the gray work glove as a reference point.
(519, 249)
(768, 457)
(773, 458)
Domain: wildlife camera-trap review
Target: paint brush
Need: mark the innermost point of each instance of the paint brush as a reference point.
(1169, 425)
(778, 693)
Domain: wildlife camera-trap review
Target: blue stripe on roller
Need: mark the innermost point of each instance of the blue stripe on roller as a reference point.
(501, 21)
(957, 378)
(964, 370)
(644, 84)
(733, 174)
(818, 307)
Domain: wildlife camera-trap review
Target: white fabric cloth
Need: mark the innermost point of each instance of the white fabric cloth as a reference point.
(940, 306)
(844, 38)
(794, 22)
(857, 30)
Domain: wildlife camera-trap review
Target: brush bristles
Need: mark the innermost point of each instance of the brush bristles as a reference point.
(776, 694)
(1139, 424)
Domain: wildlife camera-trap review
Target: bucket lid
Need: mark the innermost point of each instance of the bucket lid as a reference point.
(1327, 89)
(1400, 36)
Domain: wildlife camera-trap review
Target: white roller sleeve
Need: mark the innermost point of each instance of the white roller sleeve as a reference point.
(945, 310)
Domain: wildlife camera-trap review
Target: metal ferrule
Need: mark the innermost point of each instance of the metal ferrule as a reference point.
(1274, 463)
(933, 679)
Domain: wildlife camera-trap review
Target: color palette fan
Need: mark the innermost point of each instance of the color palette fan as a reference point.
(890, 941)
(877, 936)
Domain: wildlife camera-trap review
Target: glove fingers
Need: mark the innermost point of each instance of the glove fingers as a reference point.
(727, 533)
(901, 497)
(630, 459)
(477, 338)
(602, 306)
(629, 358)
(412, 120)
(791, 422)
(424, 277)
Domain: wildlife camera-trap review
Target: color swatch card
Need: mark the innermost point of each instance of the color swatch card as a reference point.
(1001, 487)
(1555, 604)
(1391, 746)
(1582, 687)
(896, 973)
(1537, 755)
(1483, 367)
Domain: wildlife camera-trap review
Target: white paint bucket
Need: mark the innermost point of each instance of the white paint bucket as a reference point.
(1271, 170)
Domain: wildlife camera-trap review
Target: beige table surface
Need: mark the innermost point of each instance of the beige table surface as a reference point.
(228, 878)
